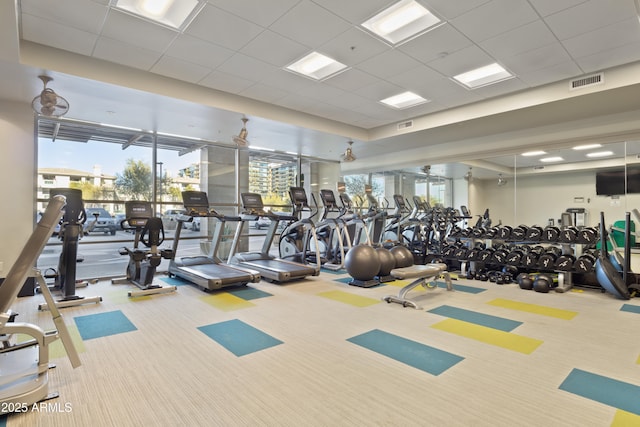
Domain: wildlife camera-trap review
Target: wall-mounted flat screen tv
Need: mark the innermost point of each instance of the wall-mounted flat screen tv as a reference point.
(612, 182)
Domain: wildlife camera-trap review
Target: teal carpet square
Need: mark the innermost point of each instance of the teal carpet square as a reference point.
(175, 281)
(630, 308)
(426, 358)
(247, 293)
(500, 323)
(617, 394)
(337, 272)
(103, 324)
(238, 337)
(3, 420)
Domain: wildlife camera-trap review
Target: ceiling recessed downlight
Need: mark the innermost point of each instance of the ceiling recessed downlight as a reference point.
(587, 146)
(404, 100)
(489, 74)
(600, 154)
(317, 66)
(534, 153)
(401, 21)
(551, 159)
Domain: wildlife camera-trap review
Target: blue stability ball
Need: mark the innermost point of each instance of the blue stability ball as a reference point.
(403, 256)
(362, 262)
(387, 261)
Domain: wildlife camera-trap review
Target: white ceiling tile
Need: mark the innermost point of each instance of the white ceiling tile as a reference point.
(138, 32)
(288, 81)
(388, 63)
(198, 51)
(320, 91)
(528, 37)
(355, 12)
(125, 54)
(500, 88)
(353, 46)
(544, 57)
(604, 38)
(610, 58)
(50, 33)
(261, 12)
(549, 7)
(448, 9)
(379, 90)
(247, 67)
(418, 80)
(223, 28)
(557, 72)
(226, 82)
(488, 20)
(264, 93)
(351, 80)
(589, 16)
(449, 93)
(461, 61)
(434, 43)
(274, 49)
(310, 24)
(80, 14)
(179, 69)
(350, 101)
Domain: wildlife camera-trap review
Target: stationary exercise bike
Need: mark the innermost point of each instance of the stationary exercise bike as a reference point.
(71, 229)
(144, 262)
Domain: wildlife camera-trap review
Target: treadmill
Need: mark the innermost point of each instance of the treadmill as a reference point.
(271, 268)
(207, 272)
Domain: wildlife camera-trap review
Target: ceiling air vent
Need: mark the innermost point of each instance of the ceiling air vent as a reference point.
(405, 125)
(592, 80)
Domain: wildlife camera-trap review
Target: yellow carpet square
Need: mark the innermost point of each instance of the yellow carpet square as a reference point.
(226, 302)
(348, 298)
(534, 308)
(56, 349)
(492, 336)
(625, 419)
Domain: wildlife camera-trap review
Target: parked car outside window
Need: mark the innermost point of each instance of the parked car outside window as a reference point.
(105, 222)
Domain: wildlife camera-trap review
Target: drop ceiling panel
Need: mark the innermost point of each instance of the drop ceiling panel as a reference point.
(589, 16)
(179, 69)
(247, 67)
(51, 33)
(353, 47)
(226, 82)
(310, 24)
(135, 31)
(261, 12)
(125, 54)
(352, 80)
(388, 64)
(604, 38)
(198, 51)
(486, 21)
(549, 7)
(542, 76)
(610, 58)
(83, 15)
(452, 9)
(436, 43)
(522, 39)
(355, 12)
(543, 57)
(420, 79)
(222, 28)
(379, 90)
(264, 93)
(262, 48)
(461, 61)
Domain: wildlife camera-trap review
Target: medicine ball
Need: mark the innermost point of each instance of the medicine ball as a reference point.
(403, 256)
(525, 281)
(387, 261)
(543, 283)
(362, 262)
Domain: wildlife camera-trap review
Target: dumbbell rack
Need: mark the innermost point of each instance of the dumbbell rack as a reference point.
(545, 249)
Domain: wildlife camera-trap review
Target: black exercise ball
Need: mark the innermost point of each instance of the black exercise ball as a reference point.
(525, 281)
(543, 283)
(362, 262)
(403, 256)
(387, 261)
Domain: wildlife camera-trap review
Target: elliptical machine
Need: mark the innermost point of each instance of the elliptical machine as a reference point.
(71, 229)
(299, 241)
(143, 263)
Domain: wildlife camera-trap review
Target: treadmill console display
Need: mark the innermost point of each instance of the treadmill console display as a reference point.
(328, 198)
(298, 196)
(196, 203)
(252, 202)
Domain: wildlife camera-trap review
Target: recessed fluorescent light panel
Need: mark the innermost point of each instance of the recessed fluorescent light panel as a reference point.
(172, 13)
(483, 76)
(552, 159)
(587, 146)
(317, 66)
(534, 153)
(600, 154)
(400, 22)
(404, 100)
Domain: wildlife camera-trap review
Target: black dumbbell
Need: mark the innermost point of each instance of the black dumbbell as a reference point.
(515, 256)
(585, 262)
(587, 235)
(519, 233)
(568, 235)
(565, 262)
(485, 255)
(505, 232)
(534, 234)
(530, 258)
(548, 259)
(551, 234)
(499, 256)
(478, 232)
(461, 253)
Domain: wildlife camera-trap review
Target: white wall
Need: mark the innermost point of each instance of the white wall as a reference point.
(536, 198)
(17, 180)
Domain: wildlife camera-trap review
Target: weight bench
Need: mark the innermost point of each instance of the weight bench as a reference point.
(424, 274)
